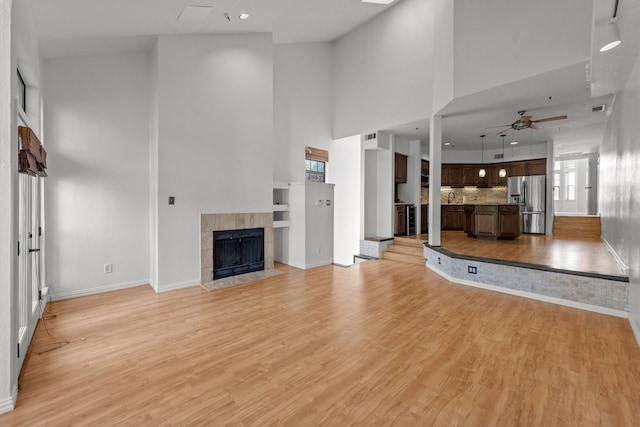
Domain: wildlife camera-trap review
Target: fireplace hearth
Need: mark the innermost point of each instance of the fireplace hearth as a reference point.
(237, 252)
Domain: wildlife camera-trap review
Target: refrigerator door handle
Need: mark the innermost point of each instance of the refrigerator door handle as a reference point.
(524, 192)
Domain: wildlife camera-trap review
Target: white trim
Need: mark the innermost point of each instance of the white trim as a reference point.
(97, 290)
(617, 259)
(179, 285)
(635, 329)
(318, 264)
(7, 404)
(538, 297)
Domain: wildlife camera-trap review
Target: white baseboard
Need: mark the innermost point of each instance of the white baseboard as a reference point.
(7, 404)
(55, 296)
(636, 330)
(615, 256)
(319, 264)
(179, 285)
(538, 297)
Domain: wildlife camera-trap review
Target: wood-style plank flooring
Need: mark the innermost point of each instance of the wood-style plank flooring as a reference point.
(589, 255)
(379, 343)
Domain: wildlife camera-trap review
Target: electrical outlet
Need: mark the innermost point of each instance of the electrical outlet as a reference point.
(172, 200)
(319, 202)
(439, 261)
(318, 251)
(472, 269)
(108, 268)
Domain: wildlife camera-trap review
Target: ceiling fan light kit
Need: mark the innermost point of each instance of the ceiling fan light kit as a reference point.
(525, 122)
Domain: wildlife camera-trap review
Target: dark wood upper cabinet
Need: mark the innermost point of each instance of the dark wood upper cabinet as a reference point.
(424, 168)
(459, 175)
(537, 167)
(401, 168)
(452, 175)
(517, 168)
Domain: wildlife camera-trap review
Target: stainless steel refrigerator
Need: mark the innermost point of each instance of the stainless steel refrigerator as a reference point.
(530, 193)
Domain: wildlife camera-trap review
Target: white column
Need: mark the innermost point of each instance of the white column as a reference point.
(435, 171)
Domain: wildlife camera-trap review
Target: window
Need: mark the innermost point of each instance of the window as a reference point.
(570, 182)
(315, 164)
(314, 171)
(556, 186)
(22, 93)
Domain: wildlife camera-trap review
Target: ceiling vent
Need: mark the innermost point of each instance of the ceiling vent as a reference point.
(599, 108)
(194, 13)
(370, 136)
(498, 156)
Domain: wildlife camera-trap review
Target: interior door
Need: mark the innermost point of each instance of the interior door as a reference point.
(29, 259)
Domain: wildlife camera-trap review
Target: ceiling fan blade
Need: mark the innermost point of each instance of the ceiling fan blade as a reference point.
(535, 126)
(525, 118)
(499, 126)
(549, 119)
(503, 131)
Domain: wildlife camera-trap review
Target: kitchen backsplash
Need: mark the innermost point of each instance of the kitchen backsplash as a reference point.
(469, 195)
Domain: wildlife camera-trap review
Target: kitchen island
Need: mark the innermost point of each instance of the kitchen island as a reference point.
(493, 221)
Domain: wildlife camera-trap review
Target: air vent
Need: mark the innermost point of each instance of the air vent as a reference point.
(370, 137)
(599, 108)
(498, 156)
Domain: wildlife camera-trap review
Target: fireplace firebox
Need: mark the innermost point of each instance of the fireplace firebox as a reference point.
(237, 252)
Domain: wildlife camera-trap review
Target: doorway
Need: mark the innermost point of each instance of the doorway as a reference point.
(575, 185)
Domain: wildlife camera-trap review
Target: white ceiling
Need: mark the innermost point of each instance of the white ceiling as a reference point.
(570, 91)
(71, 27)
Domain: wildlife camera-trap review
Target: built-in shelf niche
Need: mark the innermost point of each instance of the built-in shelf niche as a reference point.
(281, 217)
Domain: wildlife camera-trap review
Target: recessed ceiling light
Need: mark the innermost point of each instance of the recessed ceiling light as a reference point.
(377, 1)
(194, 13)
(447, 143)
(243, 16)
(514, 143)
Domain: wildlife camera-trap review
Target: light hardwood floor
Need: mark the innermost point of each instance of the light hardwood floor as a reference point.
(589, 255)
(379, 343)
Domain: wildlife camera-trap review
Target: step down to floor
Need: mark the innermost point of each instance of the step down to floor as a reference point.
(577, 227)
(404, 249)
(411, 259)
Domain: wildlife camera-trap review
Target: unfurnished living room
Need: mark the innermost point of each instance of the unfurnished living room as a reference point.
(320, 212)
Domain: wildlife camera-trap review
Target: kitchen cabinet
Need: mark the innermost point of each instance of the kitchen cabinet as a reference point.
(493, 221)
(401, 168)
(400, 221)
(424, 219)
(509, 221)
(452, 175)
(495, 179)
(537, 167)
(516, 168)
(452, 217)
(424, 168)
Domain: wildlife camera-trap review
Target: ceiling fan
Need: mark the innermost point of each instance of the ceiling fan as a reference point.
(525, 122)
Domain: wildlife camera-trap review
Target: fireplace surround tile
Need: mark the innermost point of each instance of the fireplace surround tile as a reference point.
(240, 221)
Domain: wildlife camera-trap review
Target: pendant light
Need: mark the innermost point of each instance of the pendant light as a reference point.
(503, 172)
(482, 172)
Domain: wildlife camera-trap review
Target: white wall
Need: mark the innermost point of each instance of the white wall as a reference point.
(501, 41)
(346, 175)
(153, 168)
(386, 181)
(370, 187)
(620, 186)
(8, 213)
(97, 126)
(383, 70)
(215, 140)
(301, 106)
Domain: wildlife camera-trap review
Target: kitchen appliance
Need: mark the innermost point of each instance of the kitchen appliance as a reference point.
(411, 220)
(530, 193)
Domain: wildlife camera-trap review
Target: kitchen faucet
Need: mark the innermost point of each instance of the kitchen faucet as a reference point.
(451, 193)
